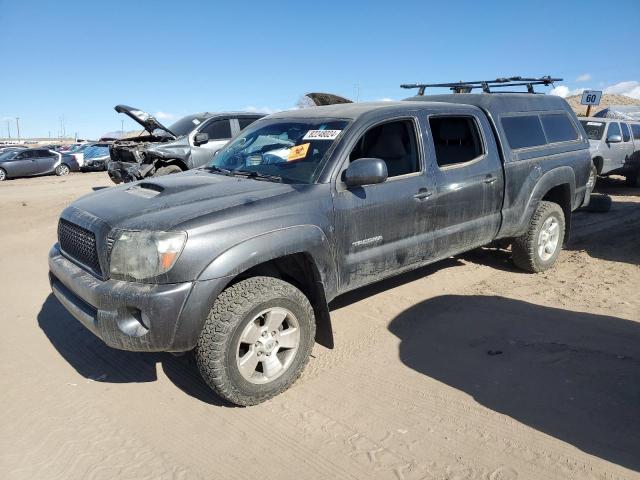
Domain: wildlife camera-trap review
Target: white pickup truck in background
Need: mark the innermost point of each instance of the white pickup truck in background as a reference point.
(615, 147)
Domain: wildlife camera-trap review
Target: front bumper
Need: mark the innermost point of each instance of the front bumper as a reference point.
(134, 316)
(94, 165)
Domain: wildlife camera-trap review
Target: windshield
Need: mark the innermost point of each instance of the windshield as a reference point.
(76, 148)
(8, 155)
(292, 152)
(594, 129)
(185, 125)
(96, 151)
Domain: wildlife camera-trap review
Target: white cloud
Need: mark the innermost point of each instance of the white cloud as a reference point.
(628, 88)
(164, 116)
(585, 77)
(254, 109)
(562, 91)
(385, 99)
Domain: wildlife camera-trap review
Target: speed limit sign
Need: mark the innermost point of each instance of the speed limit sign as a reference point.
(591, 97)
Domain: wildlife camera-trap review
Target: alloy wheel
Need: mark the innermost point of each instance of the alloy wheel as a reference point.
(548, 238)
(268, 345)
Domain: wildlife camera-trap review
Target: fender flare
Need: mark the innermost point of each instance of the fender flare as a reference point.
(307, 239)
(558, 176)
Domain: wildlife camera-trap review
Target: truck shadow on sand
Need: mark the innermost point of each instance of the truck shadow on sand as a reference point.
(95, 361)
(572, 375)
(615, 186)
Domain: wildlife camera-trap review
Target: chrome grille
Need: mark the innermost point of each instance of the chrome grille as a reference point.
(79, 244)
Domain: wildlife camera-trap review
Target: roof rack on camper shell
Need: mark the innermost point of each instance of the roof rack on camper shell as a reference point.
(486, 85)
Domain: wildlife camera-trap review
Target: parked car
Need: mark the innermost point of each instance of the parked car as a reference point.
(615, 147)
(238, 259)
(95, 157)
(35, 161)
(189, 143)
(77, 151)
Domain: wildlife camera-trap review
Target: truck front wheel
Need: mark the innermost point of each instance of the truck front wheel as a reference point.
(256, 340)
(538, 249)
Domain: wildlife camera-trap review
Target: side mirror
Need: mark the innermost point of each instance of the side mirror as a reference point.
(200, 138)
(365, 171)
(614, 139)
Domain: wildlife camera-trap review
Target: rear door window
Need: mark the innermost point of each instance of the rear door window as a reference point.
(456, 140)
(218, 129)
(635, 128)
(523, 131)
(626, 135)
(558, 127)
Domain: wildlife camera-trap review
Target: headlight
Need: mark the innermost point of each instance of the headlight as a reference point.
(141, 255)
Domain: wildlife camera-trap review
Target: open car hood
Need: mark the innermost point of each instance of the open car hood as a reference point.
(318, 99)
(148, 121)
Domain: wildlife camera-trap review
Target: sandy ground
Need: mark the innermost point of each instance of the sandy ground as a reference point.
(468, 369)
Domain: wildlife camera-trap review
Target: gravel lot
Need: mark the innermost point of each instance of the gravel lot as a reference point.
(467, 369)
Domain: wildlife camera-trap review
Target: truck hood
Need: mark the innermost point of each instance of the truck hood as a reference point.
(164, 203)
(148, 121)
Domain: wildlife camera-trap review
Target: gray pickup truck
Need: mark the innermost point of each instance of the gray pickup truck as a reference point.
(238, 260)
(615, 147)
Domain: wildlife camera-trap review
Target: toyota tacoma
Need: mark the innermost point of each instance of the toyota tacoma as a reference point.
(238, 260)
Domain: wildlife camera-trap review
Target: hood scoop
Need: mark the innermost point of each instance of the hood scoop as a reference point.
(145, 190)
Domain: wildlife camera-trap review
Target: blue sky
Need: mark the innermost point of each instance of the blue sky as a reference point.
(80, 58)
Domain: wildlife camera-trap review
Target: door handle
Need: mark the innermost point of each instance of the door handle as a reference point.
(422, 194)
(490, 179)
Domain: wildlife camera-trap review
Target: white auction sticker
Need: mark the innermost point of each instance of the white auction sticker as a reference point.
(321, 135)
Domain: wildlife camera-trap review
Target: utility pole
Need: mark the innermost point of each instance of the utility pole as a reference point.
(18, 127)
(357, 85)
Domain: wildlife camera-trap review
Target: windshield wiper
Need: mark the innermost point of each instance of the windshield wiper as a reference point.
(223, 171)
(256, 175)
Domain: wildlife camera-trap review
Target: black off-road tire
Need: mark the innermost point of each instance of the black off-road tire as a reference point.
(232, 311)
(167, 170)
(524, 249)
(62, 170)
(599, 203)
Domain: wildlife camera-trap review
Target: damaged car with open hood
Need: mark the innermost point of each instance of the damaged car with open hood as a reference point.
(188, 143)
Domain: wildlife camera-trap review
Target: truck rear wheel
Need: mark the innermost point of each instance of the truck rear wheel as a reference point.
(538, 249)
(256, 340)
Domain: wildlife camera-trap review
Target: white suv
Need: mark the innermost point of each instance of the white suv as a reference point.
(615, 147)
